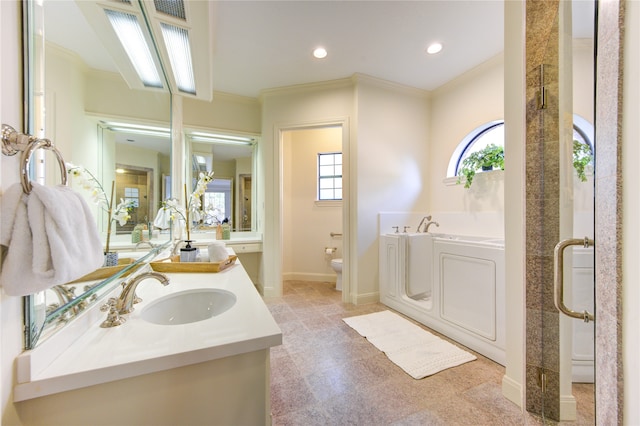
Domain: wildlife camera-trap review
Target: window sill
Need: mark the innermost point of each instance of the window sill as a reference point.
(489, 175)
(328, 203)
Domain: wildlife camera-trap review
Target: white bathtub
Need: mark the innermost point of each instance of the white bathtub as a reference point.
(452, 284)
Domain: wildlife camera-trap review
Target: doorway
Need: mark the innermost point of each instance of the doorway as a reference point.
(313, 231)
(134, 185)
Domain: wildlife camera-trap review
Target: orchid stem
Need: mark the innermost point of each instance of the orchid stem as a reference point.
(186, 204)
(113, 187)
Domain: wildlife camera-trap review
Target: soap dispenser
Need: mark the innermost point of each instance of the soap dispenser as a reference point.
(226, 230)
(188, 253)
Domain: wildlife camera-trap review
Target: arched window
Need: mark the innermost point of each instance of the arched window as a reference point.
(480, 137)
(493, 133)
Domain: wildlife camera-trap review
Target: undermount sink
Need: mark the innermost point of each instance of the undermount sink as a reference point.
(189, 306)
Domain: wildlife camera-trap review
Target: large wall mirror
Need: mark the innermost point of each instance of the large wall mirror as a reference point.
(96, 120)
(230, 197)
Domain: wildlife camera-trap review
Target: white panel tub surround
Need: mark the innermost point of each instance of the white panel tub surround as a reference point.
(582, 291)
(452, 284)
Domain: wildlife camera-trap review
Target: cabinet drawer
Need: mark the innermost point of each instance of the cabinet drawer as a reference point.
(246, 247)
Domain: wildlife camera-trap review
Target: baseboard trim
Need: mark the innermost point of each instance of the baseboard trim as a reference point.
(512, 390)
(305, 276)
(363, 299)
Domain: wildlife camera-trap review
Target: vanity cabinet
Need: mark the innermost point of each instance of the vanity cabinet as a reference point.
(228, 391)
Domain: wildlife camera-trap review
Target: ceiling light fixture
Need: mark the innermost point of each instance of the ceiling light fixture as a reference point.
(434, 48)
(139, 131)
(177, 41)
(217, 140)
(129, 32)
(320, 53)
(127, 126)
(222, 137)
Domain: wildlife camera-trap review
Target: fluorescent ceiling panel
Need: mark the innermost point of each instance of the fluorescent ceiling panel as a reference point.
(177, 41)
(129, 32)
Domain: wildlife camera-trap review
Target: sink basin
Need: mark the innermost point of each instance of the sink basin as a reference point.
(189, 306)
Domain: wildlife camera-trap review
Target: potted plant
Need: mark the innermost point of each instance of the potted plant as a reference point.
(488, 158)
(192, 207)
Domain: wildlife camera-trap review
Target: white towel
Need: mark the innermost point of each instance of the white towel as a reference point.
(218, 252)
(51, 238)
(162, 219)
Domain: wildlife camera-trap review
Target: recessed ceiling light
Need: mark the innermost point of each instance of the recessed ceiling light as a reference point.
(320, 53)
(434, 48)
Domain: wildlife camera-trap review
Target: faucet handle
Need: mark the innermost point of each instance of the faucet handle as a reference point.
(405, 229)
(396, 228)
(113, 317)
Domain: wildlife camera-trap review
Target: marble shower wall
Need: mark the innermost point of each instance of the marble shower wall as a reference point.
(542, 208)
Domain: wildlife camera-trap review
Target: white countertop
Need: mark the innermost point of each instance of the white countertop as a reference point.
(138, 347)
(123, 242)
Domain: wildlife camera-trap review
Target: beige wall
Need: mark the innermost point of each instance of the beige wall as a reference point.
(392, 161)
(224, 112)
(307, 225)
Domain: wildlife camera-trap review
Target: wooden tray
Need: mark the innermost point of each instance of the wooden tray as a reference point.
(107, 271)
(176, 266)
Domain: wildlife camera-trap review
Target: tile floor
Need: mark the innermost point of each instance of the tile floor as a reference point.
(325, 373)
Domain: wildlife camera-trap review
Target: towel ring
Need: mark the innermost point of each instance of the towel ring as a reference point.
(26, 157)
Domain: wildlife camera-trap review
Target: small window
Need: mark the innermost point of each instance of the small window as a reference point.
(132, 196)
(330, 176)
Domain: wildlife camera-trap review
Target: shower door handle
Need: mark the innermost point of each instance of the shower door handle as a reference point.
(558, 279)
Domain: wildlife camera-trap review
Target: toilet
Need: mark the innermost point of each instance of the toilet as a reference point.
(336, 264)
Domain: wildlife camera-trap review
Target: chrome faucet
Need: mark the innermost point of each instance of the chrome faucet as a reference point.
(429, 223)
(176, 247)
(149, 243)
(426, 227)
(124, 304)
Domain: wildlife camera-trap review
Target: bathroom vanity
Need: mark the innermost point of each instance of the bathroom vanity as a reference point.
(212, 371)
(246, 245)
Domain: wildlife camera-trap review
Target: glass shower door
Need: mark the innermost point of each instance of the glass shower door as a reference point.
(566, 119)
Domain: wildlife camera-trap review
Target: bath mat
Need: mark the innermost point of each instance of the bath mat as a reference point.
(418, 352)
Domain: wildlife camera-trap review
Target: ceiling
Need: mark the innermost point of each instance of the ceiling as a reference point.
(267, 44)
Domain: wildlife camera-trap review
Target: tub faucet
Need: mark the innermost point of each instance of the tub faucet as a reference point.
(426, 227)
(128, 297)
(429, 223)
